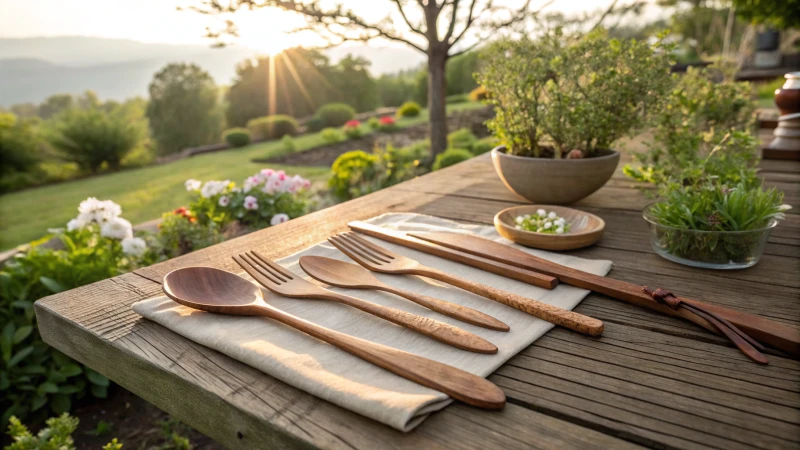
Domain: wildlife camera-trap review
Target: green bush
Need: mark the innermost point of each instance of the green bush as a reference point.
(336, 114)
(91, 137)
(409, 109)
(315, 124)
(353, 174)
(236, 137)
(288, 144)
(56, 436)
(272, 127)
(451, 156)
(461, 138)
(19, 153)
(332, 135)
(457, 98)
(33, 376)
(482, 147)
(352, 129)
(374, 123)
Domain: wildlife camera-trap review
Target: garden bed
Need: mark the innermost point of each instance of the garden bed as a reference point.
(326, 154)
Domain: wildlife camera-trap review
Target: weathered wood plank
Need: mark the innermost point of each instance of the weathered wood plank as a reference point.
(241, 407)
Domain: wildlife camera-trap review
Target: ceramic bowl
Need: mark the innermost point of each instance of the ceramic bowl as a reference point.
(586, 228)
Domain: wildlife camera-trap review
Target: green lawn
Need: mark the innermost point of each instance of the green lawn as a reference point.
(148, 192)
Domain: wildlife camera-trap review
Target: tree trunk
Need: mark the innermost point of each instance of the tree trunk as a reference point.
(437, 88)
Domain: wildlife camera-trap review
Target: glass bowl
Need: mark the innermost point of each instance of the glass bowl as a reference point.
(708, 249)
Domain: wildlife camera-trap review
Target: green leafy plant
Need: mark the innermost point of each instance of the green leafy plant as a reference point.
(451, 156)
(98, 244)
(409, 109)
(92, 137)
(19, 152)
(706, 112)
(359, 173)
(462, 138)
(336, 114)
(332, 135)
(557, 93)
(352, 129)
(56, 436)
(709, 222)
(373, 123)
(237, 137)
(287, 142)
(272, 127)
(179, 233)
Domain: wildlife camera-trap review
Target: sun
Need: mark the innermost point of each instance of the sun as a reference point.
(267, 30)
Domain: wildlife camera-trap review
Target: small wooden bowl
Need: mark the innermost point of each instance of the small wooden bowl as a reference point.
(586, 229)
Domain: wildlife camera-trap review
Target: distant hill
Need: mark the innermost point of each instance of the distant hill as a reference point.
(31, 69)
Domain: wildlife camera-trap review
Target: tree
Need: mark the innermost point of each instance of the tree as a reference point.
(25, 110)
(781, 14)
(354, 85)
(55, 104)
(435, 27)
(183, 109)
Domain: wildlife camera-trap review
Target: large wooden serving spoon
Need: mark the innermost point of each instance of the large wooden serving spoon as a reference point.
(346, 275)
(218, 291)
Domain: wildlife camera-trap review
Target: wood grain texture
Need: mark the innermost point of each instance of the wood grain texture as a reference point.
(294, 287)
(379, 259)
(649, 380)
(342, 274)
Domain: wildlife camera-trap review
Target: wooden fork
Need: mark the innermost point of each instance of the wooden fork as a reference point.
(281, 281)
(379, 259)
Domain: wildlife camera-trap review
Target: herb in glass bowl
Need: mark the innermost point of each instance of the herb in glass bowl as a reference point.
(542, 222)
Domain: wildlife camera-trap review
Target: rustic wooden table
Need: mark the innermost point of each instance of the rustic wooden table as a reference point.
(650, 380)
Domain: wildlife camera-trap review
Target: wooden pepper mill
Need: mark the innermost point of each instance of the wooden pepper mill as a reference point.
(786, 144)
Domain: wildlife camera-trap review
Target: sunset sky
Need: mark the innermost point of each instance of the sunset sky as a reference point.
(159, 21)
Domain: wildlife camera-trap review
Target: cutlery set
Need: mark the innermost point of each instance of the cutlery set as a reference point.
(218, 291)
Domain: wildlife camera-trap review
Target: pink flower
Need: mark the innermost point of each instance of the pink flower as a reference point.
(352, 123)
(224, 201)
(266, 173)
(387, 120)
(278, 218)
(250, 202)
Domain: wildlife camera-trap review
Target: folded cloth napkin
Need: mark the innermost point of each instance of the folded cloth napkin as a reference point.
(341, 378)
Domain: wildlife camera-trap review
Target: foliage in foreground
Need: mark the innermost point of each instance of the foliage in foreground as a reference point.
(564, 93)
(56, 436)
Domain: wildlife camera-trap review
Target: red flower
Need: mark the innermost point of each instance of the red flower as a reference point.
(184, 212)
(387, 120)
(352, 123)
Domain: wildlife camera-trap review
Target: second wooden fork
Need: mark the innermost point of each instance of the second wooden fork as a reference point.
(379, 259)
(283, 282)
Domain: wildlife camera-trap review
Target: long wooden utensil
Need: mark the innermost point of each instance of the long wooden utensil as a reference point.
(281, 281)
(217, 291)
(379, 259)
(346, 275)
(753, 327)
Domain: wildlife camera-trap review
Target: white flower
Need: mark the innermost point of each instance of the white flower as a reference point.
(560, 230)
(785, 207)
(519, 219)
(547, 225)
(552, 215)
(73, 225)
(192, 184)
(541, 212)
(89, 205)
(134, 246)
(117, 228)
(250, 202)
(266, 173)
(560, 221)
(278, 218)
(224, 201)
(107, 210)
(79, 222)
(212, 188)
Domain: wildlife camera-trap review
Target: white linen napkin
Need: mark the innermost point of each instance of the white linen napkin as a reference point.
(341, 378)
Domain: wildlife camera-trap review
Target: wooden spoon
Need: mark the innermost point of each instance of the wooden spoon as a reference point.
(217, 291)
(346, 275)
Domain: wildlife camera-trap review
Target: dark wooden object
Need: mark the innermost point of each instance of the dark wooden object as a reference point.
(346, 275)
(221, 292)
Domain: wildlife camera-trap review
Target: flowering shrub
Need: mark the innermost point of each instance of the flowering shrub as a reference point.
(358, 173)
(267, 198)
(179, 233)
(97, 244)
(352, 129)
(479, 94)
(387, 124)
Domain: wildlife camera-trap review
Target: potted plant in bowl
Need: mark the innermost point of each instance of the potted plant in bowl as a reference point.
(562, 102)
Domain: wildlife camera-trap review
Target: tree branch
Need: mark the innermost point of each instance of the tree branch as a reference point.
(453, 17)
(416, 29)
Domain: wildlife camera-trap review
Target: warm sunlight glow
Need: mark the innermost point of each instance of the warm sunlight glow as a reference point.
(267, 30)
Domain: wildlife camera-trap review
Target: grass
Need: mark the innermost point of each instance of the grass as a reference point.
(147, 192)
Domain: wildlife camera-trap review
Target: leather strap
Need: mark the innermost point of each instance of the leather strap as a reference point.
(745, 343)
